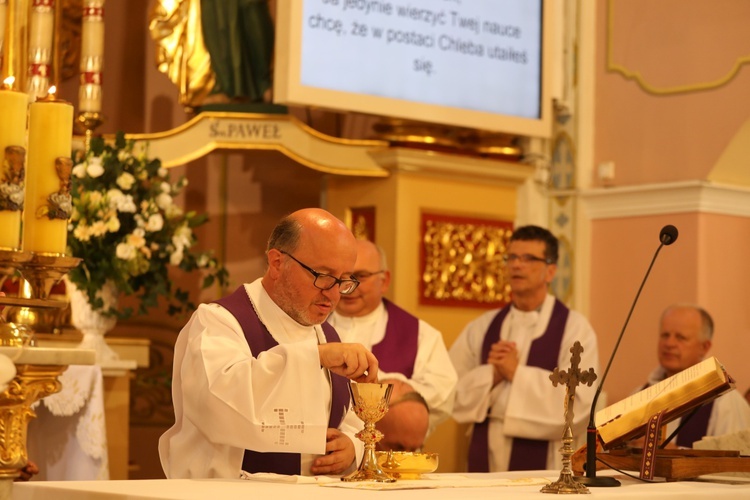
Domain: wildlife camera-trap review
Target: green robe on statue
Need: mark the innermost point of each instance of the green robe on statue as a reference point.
(238, 35)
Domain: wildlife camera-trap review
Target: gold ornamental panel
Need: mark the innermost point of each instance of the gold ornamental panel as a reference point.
(462, 261)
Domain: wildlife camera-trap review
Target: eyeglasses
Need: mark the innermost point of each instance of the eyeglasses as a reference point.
(326, 281)
(363, 275)
(525, 258)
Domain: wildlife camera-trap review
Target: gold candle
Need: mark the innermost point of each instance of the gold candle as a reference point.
(12, 140)
(48, 200)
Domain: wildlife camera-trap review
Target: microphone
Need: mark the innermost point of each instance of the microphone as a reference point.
(667, 236)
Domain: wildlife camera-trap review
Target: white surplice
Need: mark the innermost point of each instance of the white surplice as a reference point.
(730, 412)
(434, 376)
(529, 406)
(226, 401)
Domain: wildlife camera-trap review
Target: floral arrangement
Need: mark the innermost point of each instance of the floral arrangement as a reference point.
(129, 232)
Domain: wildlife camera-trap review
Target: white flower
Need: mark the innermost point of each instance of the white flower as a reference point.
(165, 187)
(176, 257)
(139, 232)
(113, 224)
(81, 232)
(136, 240)
(162, 172)
(80, 170)
(155, 223)
(163, 201)
(95, 168)
(182, 237)
(125, 251)
(123, 156)
(126, 181)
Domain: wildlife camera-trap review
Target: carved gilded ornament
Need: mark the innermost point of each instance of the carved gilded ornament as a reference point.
(462, 261)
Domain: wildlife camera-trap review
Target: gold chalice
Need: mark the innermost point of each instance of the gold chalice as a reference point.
(370, 404)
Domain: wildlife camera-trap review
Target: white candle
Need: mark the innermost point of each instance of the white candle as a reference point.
(92, 57)
(41, 30)
(45, 223)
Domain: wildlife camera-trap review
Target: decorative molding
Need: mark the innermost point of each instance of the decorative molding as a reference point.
(652, 89)
(453, 166)
(666, 198)
(212, 130)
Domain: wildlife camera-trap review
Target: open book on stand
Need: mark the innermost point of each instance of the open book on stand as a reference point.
(676, 396)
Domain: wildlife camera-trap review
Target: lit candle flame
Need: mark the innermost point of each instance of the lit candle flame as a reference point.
(52, 91)
(9, 81)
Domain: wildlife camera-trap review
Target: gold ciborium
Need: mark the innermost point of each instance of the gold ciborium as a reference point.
(370, 404)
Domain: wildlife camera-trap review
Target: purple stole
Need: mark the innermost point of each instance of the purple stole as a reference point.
(695, 428)
(526, 454)
(397, 351)
(259, 339)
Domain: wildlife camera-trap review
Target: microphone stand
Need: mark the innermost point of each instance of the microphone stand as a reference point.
(590, 478)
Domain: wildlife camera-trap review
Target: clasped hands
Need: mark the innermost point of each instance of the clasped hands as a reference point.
(503, 357)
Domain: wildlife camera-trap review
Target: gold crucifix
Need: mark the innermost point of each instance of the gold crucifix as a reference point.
(571, 378)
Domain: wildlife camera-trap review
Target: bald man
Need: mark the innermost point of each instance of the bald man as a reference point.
(685, 337)
(408, 349)
(259, 383)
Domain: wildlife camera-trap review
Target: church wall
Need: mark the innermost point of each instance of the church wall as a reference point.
(691, 98)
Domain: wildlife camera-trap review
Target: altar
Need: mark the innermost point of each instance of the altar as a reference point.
(200, 489)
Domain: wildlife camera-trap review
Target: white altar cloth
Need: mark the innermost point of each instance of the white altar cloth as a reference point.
(231, 489)
(68, 439)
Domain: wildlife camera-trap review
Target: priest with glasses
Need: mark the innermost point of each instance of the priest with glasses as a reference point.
(259, 379)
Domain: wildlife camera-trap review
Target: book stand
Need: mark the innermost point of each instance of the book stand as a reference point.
(671, 464)
(676, 465)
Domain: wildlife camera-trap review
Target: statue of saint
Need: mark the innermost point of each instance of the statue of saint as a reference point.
(215, 50)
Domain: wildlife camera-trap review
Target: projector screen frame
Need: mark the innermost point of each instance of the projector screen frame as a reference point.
(289, 89)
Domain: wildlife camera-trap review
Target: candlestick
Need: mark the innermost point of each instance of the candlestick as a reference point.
(48, 201)
(41, 29)
(92, 57)
(12, 163)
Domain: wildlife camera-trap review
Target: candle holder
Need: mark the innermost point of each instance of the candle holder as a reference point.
(43, 271)
(88, 122)
(10, 261)
(370, 404)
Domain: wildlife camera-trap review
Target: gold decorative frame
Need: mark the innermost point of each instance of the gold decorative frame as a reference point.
(461, 261)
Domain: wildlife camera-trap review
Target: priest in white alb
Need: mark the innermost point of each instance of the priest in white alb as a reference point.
(259, 384)
(504, 359)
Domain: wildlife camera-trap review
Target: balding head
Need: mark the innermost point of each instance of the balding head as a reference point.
(318, 240)
(405, 424)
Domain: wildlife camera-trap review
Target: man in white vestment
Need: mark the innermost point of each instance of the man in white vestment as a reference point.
(504, 359)
(408, 349)
(685, 336)
(258, 383)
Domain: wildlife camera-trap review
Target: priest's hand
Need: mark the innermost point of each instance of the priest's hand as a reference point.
(352, 361)
(503, 357)
(339, 454)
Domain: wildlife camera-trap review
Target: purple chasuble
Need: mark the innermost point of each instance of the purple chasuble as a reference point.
(259, 339)
(526, 454)
(397, 351)
(696, 427)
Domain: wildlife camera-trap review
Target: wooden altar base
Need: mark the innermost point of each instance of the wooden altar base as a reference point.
(672, 464)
